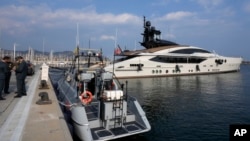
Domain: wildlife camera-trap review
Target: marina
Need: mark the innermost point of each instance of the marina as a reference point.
(79, 98)
(87, 104)
(118, 70)
(192, 108)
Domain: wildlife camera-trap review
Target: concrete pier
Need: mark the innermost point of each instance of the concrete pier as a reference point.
(21, 119)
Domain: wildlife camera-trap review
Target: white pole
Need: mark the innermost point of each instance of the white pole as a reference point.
(14, 51)
(43, 51)
(77, 36)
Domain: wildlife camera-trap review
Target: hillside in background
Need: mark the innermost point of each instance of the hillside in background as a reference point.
(67, 53)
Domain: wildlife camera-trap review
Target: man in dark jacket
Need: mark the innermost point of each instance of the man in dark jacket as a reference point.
(3, 70)
(21, 73)
(8, 73)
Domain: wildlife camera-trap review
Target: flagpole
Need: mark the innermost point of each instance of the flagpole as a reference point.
(114, 51)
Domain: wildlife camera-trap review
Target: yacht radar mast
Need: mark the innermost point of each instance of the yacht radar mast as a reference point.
(151, 37)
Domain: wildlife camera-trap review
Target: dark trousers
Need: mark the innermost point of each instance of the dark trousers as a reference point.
(7, 82)
(21, 89)
(1, 86)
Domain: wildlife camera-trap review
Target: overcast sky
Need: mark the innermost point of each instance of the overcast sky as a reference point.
(219, 25)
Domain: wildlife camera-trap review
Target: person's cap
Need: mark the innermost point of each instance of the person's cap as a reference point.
(6, 57)
(19, 57)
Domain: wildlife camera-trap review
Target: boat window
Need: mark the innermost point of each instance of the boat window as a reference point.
(136, 65)
(166, 59)
(190, 51)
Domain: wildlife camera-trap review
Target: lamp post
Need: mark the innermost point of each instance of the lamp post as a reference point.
(14, 54)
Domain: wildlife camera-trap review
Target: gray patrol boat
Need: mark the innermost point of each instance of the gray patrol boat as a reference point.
(95, 104)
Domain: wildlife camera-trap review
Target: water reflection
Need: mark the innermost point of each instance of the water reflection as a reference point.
(190, 107)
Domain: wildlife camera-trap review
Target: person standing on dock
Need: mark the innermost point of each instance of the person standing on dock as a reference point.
(8, 73)
(21, 73)
(3, 70)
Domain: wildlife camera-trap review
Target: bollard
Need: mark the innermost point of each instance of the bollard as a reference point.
(44, 99)
(43, 85)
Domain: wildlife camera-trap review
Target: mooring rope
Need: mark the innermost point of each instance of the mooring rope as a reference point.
(67, 105)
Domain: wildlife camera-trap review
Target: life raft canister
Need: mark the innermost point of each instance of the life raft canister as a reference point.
(86, 97)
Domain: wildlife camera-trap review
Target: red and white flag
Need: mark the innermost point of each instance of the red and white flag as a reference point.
(118, 51)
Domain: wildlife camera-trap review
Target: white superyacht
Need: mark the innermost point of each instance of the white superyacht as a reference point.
(166, 58)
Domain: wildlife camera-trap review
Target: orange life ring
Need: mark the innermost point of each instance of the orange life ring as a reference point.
(88, 99)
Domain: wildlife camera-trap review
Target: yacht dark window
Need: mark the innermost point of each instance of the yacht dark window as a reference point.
(136, 65)
(166, 59)
(190, 51)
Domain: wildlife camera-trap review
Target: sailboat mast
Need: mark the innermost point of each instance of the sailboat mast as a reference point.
(77, 35)
(77, 44)
(43, 51)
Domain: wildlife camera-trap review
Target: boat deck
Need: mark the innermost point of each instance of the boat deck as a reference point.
(129, 127)
(102, 133)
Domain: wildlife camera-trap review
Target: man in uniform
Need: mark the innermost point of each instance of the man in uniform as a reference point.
(3, 70)
(8, 73)
(21, 73)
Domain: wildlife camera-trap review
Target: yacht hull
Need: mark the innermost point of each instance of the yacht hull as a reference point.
(162, 69)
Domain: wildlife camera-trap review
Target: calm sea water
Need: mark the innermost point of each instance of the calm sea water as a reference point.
(193, 108)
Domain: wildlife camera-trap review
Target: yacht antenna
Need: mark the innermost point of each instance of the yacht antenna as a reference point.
(144, 21)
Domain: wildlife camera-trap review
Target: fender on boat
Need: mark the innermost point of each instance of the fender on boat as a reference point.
(81, 123)
(142, 114)
(139, 112)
